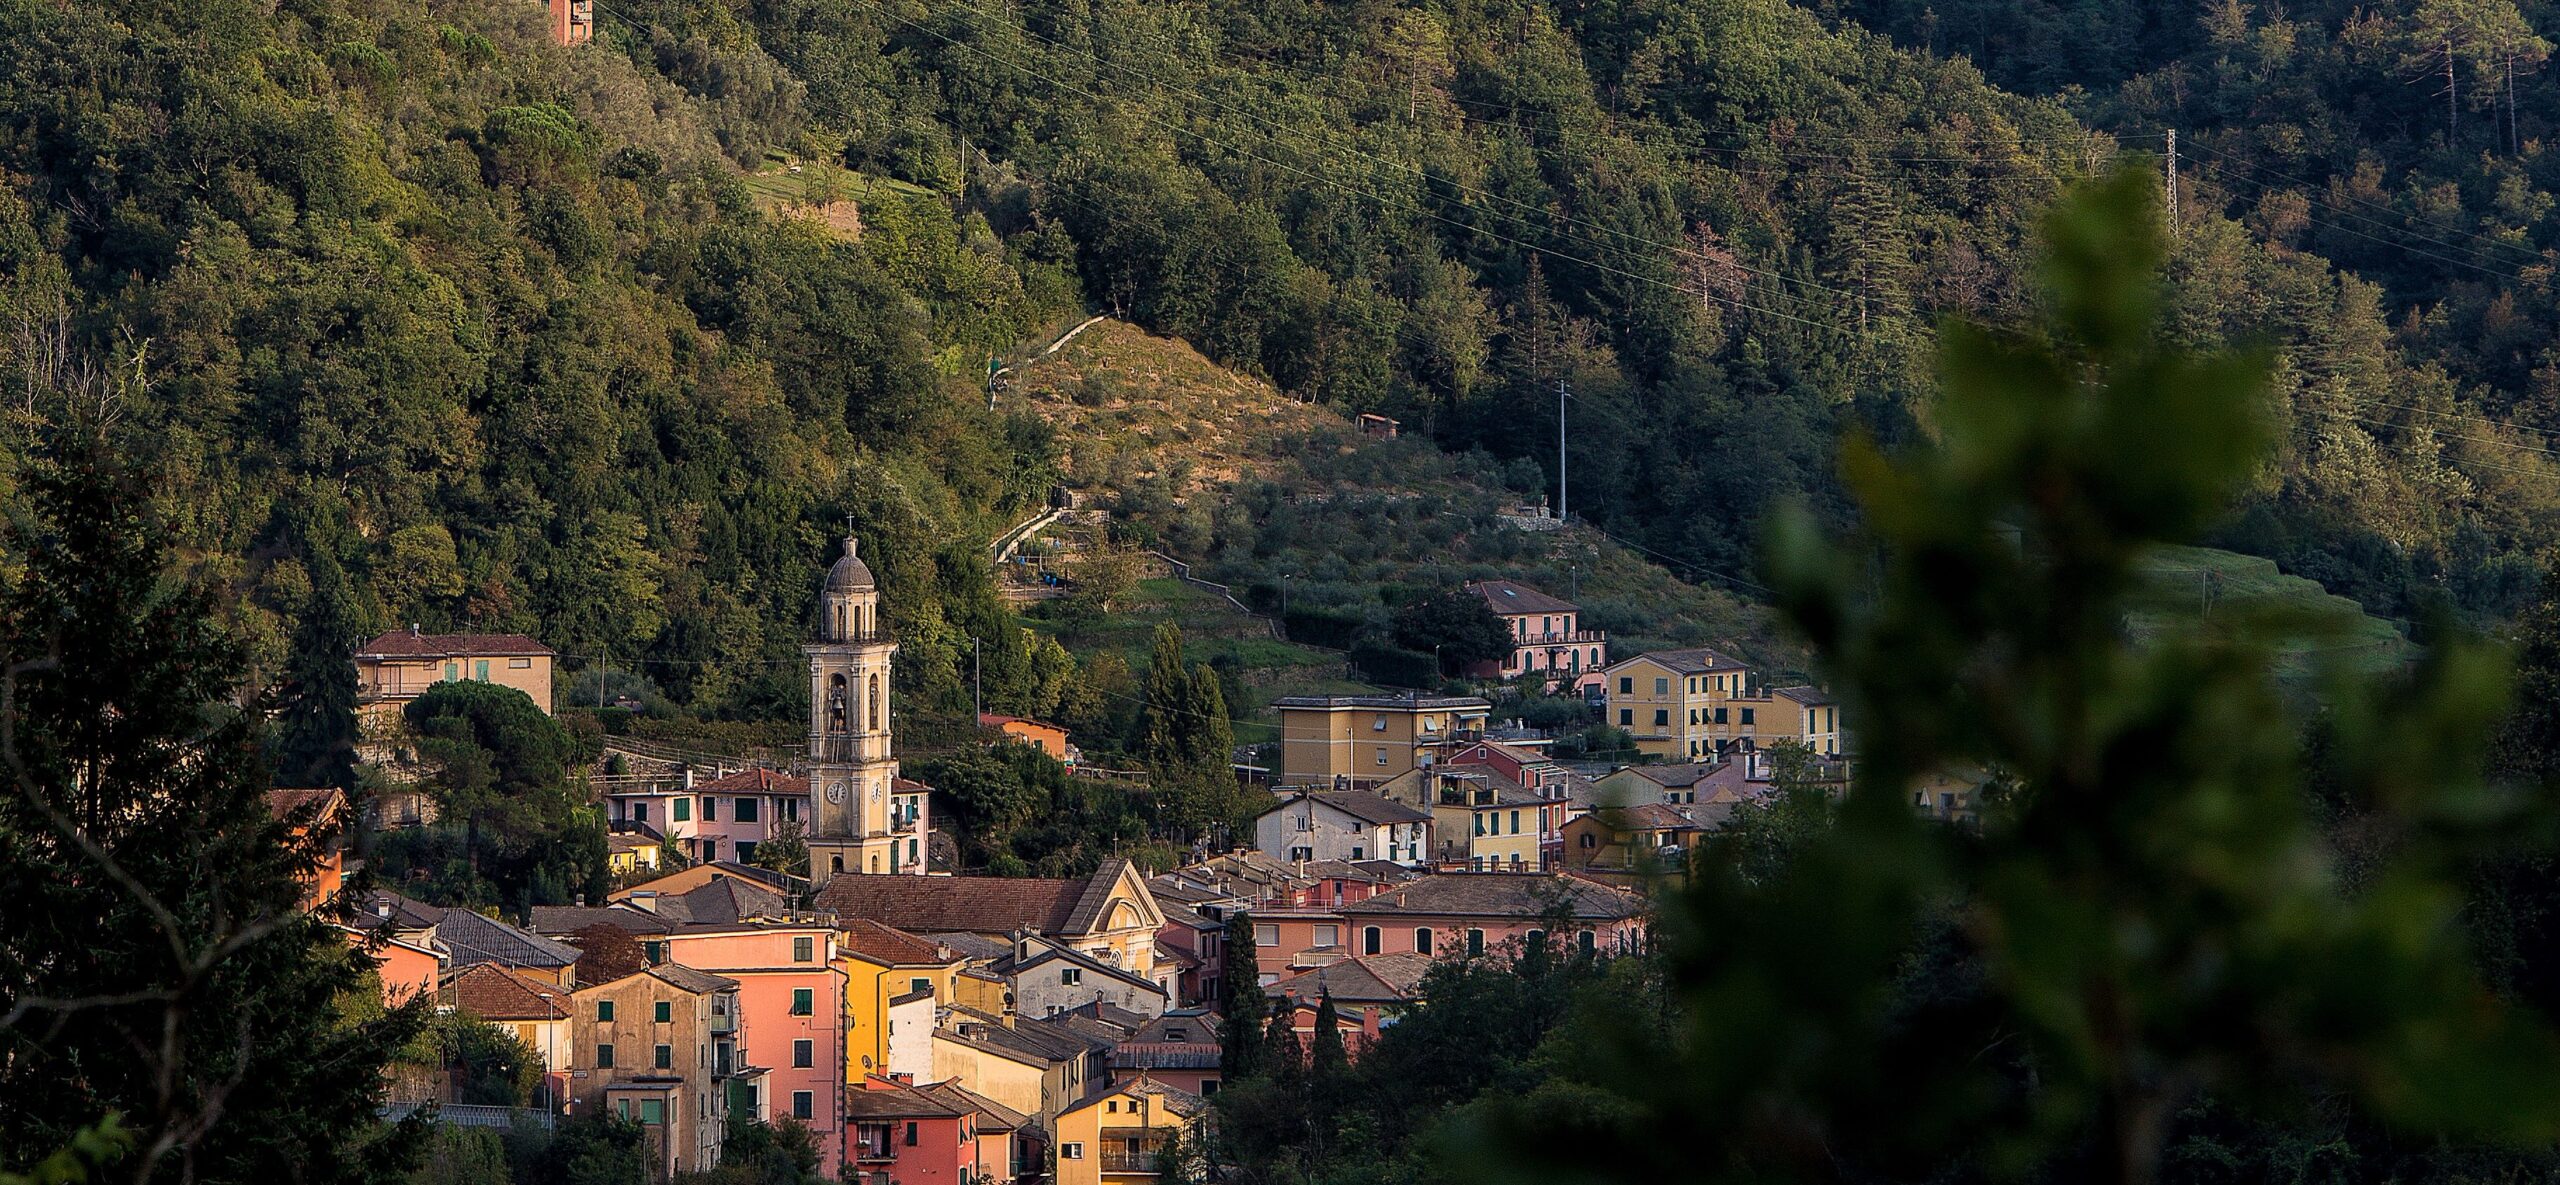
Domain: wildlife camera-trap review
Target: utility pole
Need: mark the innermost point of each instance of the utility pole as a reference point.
(1564, 489)
(2173, 183)
(977, 677)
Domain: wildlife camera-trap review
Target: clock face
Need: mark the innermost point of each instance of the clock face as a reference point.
(875, 792)
(835, 792)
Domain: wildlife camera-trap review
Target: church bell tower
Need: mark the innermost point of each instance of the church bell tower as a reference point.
(850, 767)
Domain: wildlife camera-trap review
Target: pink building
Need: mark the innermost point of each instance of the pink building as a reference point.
(791, 995)
(1455, 914)
(721, 819)
(900, 1133)
(1281, 937)
(1546, 635)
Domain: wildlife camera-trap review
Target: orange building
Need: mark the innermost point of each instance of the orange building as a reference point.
(315, 817)
(573, 22)
(1039, 734)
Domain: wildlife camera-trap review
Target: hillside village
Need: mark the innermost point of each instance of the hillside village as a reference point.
(926, 1021)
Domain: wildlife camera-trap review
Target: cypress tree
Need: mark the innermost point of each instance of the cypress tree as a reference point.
(1168, 696)
(152, 925)
(1209, 740)
(1240, 1053)
(316, 718)
(1328, 1058)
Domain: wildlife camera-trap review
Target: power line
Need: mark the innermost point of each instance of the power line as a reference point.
(2530, 254)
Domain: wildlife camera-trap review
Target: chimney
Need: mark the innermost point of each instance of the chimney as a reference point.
(413, 629)
(688, 777)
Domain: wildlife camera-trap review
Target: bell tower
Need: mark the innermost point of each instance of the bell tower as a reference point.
(850, 766)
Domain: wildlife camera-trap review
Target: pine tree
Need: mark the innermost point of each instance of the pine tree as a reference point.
(1240, 1054)
(316, 719)
(1283, 1058)
(152, 949)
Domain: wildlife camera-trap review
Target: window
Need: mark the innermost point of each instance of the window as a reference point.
(655, 952)
(804, 1105)
(1070, 976)
(1357, 853)
(1588, 841)
(1382, 757)
(1720, 715)
(1588, 942)
(1662, 687)
(1208, 1086)
(1661, 717)
(1626, 717)
(1369, 940)
(791, 809)
(666, 1012)
(710, 809)
(1378, 723)
(1328, 935)
(746, 812)
(918, 985)
(683, 810)
(604, 1056)
(1422, 942)
(1515, 822)
(804, 950)
(911, 1133)
(480, 670)
(804, 1054)
(1537, 938)
(665, 1057)
(1071, 1152)
(604, 1010)
(746, 851)
(1266, 934)
(1306, 822)
(1626, 686)
(653, 1110)
(452, 671)
(639, 812)
(1475, 942)
(803, 1002)
(519, 664)
(1746, 715)
(1302, 853)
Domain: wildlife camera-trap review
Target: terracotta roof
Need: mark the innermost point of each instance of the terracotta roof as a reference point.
(631, 841)
(756, 780)
(1510, 597)
(492, 992)
(1497, 894)
(992, 720)
(974, 904)
(1361, 979)
(290, 805)
(1688, 662)
(1651, 816)
(1811, 697)
(690, 979)
(411, 644)
(906, 785)
(883, 943)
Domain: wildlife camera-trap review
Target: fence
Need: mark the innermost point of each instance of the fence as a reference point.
(462, 1115)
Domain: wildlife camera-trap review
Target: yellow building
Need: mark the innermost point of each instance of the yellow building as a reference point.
(628, 852)
(882, 963)
(1484, 821)
(1685, 705)
(1116, 1136)
(400, 666)
(1360, 740)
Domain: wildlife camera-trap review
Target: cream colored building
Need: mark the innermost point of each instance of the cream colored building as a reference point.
(1689, 705)
(400, 666)
(1357, 741)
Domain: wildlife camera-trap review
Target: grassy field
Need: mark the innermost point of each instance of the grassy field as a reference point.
(2187, 583)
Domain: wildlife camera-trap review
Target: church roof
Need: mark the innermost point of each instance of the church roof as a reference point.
(850, 574)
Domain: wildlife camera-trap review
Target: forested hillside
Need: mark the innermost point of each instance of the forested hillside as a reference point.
(427, 317)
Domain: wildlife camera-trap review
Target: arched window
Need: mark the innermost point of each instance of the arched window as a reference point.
(1422, 942)
(835, 863)
(835, 703)
(874, 701)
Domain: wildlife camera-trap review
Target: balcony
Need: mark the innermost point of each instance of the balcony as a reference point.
(1561, 638)
(1122, 1161)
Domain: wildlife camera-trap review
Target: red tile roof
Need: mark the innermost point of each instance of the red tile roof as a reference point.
(290, 804)
(884, 943)
(758, 780)
(1511, 598)
(492, 992)
(974, 904)
(409, 644)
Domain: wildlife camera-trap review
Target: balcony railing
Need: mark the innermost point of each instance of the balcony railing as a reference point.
(1561, 638)
(1121, 1161)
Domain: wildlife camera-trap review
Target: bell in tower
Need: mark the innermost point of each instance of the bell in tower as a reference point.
(851, 765)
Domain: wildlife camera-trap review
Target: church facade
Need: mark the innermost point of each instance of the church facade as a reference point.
(857, 824)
